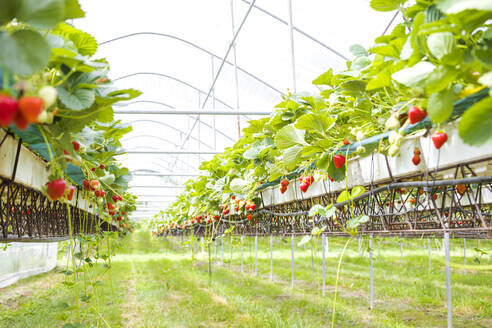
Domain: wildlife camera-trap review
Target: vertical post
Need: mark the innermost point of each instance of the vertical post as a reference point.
(292, 52)
(371, 273)
(230, 264)
(323, 243)
(292, 278)
(448, 280)
(429, 251)
(271, 257)
(464, 252)
(401, 252)
(242, 264)
(256, 254)
(222, 251)
(236, 81)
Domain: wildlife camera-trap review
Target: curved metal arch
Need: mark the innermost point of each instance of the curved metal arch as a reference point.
(167, 162)
(190, 116)
(173, 128)
(175, 79)
(146, 102)
(149, 136)
(197, 47)
(309, 36)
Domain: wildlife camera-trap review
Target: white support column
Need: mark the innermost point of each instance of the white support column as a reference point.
(371, 273)
(242, 263)
(292, 52)
(236, 80)
(429, 251)
(271, 257)
(323, 243)
(256, 254)
(464, 253)
(448, 280)
(292, 278)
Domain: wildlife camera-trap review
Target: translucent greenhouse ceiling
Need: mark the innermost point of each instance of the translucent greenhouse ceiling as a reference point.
(175, 64)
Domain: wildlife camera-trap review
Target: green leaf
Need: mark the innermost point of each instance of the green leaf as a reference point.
(316, 209)
(289, 136)
(317, 231)
(73, 10)
(9, 10)
(456, 6)
(86, 44)
(304, 240)
(475, 125)
(41, 13)
(358, 50)
(357, 191)
(385, 5)
(325, 78)
(441, 44)
(24, 52)
(77, 99)
(108, 179)
(440, 105)
(292, 156)
(415, 75)
(344, 196)
(440, 78)
(355, 222)
(238, 185)
(318, 122)
(251, 153)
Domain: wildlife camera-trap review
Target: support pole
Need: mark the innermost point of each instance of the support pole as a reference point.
(371, 273)
(323, 243)
(448, 280)
(242, 263)
(271, 257)
(292, 52)
(256, 254)
(292, 278)
(464, 252)
(429, 251)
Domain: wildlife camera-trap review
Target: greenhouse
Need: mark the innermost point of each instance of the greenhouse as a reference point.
(245, 163)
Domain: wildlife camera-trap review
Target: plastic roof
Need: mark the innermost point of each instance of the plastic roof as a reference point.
(171, 51)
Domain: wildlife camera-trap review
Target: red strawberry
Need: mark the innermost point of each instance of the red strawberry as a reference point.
(119, 218)
(31, 107)
(304, 186)
(415, 115)
(93, 169)
(56, 188)
(439, 138)
(412, 200)
(416, 160)
(434, 196)
(284, 183)
(86, 184)
(8, 108)
(233, 197)
(123, 212)
(249, 217)
(416, 151)
(115, 198)
(310, 180)
(236, 208)
(339, 161)
(461, 188)
(111, 206)
(76, 145)
(20, 121)
(102, 166)
(283, 190)
(69, 192)
(346, 142)
(252, 207)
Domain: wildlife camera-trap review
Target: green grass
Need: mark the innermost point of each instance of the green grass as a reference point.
(154, 283)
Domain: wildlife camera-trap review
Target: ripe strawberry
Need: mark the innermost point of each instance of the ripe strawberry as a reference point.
(76, 145)
(209, 221)
(97, 193)
(56, 188)
(236, 208)
(252, 207)
(461, 188)
(310, 179)
(416, 160)
(8, 109)
(93, 169)
(86, 184)
(339, 161)
(31, 107)
(304, 186)
(123, 212)
(115, 198)
(415, 115)
(416, 151)
(346, 142)
(283, 190)
(119, 218)
(20, 121)
(434, 196)
(284, 183)
(439, 138)
(421, 191)
(249, 217)
(95, 184)
(69, 192)
(233, 197)
(111, 206)
(102, 166)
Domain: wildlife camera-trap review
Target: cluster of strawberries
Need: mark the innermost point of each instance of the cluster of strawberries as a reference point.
(306, 182)
(58, 189)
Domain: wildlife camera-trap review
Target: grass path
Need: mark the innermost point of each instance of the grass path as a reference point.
(155, 284)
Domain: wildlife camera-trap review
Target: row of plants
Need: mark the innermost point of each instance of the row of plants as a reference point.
(409, 80)
(58, 98)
